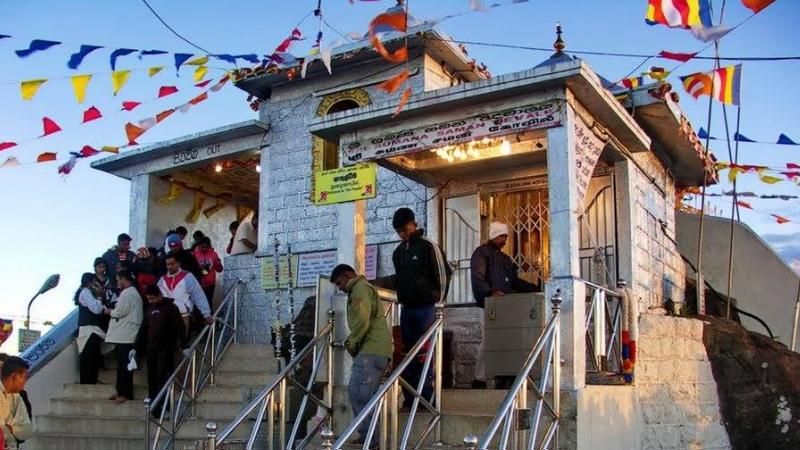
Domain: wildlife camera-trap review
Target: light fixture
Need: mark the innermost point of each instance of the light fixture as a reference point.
(218, 168)
(258, 168)
(505, 147)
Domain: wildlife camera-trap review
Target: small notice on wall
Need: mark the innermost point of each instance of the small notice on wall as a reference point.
(345, 184)
(588, 148)
(371, 262)
(312, 265)
(268, 271)
(308, 267)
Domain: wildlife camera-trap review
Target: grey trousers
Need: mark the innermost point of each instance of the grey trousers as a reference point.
(365, 378)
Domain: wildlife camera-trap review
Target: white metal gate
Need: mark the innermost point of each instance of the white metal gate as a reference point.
(462, 237)
(598, 256)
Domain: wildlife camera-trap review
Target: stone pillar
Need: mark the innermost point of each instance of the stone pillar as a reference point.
(140, 203)
(351, 234)
(625, 196)
(564, 244)
(266, 229)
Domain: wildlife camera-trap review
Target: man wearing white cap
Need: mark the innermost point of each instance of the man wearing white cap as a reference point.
(493, 274)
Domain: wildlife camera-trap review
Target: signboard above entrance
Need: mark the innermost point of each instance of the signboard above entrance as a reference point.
(488, 125)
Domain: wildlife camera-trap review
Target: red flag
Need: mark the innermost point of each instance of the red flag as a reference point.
(164, 91)
(403, 101)
(91, 114)
(393, 84)
(49, 126)
(744, 204)
(45, 157)
(163, 115)
(88, 151)
(397, 21)
(788, 165)
(756, 5)
(200, 98)
(130, 106)
(203, 84)
(7, 145)
(133, 133)
(780, 219)
(682, 57)
(284, 46)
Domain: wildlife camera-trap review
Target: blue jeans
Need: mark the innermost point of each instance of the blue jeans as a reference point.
(365, 377)
(414, 322)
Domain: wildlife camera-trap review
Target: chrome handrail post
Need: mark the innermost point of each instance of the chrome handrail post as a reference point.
(212, 335)
(211, 437)
(556, 301)
(147, 423)
(600, 328)
(282, 405)
(270, 422)
(329, 387)
(438, 369)
(236, 313)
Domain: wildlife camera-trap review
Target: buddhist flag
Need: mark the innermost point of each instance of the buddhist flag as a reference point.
(45, 157)
(403, 100)
(725, 82)
(130, 106)
(91, 114)
(76, 59)
(119, 78)
(198, 61)
(79, 85)
(200, 73)
(164, 91)
(151, 72)
(30, 88)
(49, 126)
(633, 82)
(756, 5)
(679, 13)
(395, 20)
(6, 325)
(7, 145)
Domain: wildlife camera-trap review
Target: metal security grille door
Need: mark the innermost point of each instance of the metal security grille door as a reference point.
(598, 259)
(528, 219)
(462, 237)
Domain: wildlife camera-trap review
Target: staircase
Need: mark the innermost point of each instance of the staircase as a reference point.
(82, 417)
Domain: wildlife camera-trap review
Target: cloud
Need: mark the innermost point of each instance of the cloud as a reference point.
(787, 246)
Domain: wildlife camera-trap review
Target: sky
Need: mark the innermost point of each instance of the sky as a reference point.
(54, 224)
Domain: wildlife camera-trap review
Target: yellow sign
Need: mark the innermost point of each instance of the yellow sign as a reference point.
(268, 271)
(345, 184)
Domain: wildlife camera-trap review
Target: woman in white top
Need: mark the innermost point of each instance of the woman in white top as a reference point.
(126, 318)
(90, 329)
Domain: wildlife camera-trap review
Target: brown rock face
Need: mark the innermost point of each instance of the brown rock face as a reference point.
(758, 382)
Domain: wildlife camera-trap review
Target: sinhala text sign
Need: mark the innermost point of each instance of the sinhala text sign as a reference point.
(345, 184)
(489, 125)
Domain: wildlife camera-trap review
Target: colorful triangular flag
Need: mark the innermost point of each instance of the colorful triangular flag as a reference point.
(76, 58)
(49, 126)
(151, 72)
(200, 98)
(200, 73)
(7, 145)
(164, 114)
(66, 168)
(30, 88)
(198, 61)
(203, 84)
(756, 5)
(786, 140)
(11, 161)
(46, 156)
(130, 106)
(88, 151)
(741, 138)
(682, 57)
(393, 84)
(109, 149)
(117, 53)
(91, 114)
(780, 219)
(164, 91)
(132, 132)
(403, 100)
(36, 45)
(180, 59)
(118, 79)
(79, 85)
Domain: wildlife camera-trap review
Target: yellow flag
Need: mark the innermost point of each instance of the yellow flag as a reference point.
(79, 85)
(109, 149)
(770, 179)
(119, 78)
(733, 173)
(200, 73)
(30, 88)
(154, 70)
(198, 61)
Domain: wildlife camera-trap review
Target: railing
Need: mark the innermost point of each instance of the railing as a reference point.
(272, 399)
(521, 428)
(383, 404)
(52, 343)
(176, 400)
(603, 329)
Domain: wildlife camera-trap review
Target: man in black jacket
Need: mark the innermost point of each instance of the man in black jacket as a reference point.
(493, 274)
(422, 277)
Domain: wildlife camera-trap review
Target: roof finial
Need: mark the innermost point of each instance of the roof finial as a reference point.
(559, 44)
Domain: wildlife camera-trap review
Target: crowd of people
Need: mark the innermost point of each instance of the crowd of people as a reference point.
(145, 305)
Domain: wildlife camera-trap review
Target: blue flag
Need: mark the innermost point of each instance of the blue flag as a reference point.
(37, 45)
(77, 58)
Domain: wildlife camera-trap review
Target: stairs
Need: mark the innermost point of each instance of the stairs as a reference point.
(82, 417)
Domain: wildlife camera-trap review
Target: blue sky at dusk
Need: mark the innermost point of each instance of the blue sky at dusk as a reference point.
(50, 224)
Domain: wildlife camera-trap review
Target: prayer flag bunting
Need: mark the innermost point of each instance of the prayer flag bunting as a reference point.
(200, 73)
(79, 85)
(184, 108)
(657, 73)
(49, 126)
(163, 115)
(395, 20)
(109, 149)
(703, 134)
(151, 53)
(744, 204)
(780, 219)
(393, 84)
(792, 166)
(146, 124)
(284, 46)
(679, 13)
(30, 88)
(88, 151)
(200, 98)
(130, 106)
(477, 5)
(784, 139)
(219, 84)
(769, 179)
(741, 138)
(725, 82)
(202, 60)
(91, 114)
(119, 78)
(204, 83)
(633, 82)
(76, 58)
(682, 57)
(6, 327)
(133, 132)
(4, 36)
(7, 145)
(734, 172)
(36, 45)
(325, 55)
(181, 58)
(403, 100)
(66, 168)
(117, 53)
(10, 162)
(151, 72)
(45, 157)
(756, 5)
(164, 91)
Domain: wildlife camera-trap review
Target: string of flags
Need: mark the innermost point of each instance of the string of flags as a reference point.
(694, 16)
(769, 175)
(783, 139)
(745, 194)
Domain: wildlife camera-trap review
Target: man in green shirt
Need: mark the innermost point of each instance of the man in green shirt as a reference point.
(369, 342)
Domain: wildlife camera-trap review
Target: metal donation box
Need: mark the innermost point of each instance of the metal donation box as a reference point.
(512, 323)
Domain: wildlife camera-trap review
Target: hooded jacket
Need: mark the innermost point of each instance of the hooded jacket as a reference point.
(369, 332)
(162, 327)
(422, 275)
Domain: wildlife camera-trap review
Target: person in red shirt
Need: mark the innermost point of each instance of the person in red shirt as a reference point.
(210, 265)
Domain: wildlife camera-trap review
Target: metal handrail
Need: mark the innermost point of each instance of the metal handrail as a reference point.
(195, 370)
(382, 403)
(508, 415)
(266, 403)
(603, 329)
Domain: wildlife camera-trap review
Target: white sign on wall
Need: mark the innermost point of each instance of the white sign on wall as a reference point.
(311, 266)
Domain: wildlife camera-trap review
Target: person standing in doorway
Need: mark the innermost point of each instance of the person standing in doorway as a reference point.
(493, 274)
(246, 239)
(15, 424)
(232, 228)
(210, 266)
(369, 342)
(422, 277)
(126, 318)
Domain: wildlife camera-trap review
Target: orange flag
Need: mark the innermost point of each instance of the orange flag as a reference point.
(199, 98)
(133, 133)
(744, 204)
(403, 101)
(780, 219)
(46, 156)
(396, 20)
(164, 114)
(393, 84)
(757, 5)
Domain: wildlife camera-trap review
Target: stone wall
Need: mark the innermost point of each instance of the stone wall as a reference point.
(658, 268)
(675, 386)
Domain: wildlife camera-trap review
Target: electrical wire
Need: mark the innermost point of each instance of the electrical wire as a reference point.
(180, 36)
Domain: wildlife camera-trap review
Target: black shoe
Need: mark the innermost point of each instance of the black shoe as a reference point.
(478, 384)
